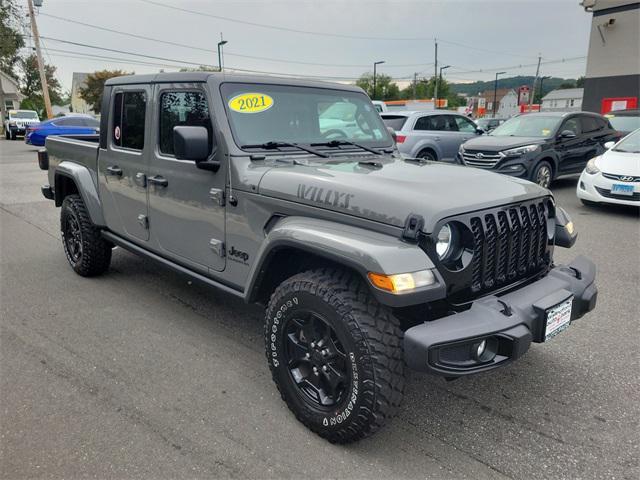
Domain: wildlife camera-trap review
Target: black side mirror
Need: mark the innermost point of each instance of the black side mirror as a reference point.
(480, 131)
(565, 234)
(192, 143)
(567, 134)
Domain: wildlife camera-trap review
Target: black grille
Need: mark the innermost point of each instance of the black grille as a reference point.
(508, 247)
(635, 197)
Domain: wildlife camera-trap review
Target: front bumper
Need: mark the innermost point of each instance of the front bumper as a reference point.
(596, 188)
(509, 322)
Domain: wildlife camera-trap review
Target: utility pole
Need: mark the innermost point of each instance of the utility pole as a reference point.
(435, 76)
(43, 76)
(221, 43)
(535, 80)
(415, 82)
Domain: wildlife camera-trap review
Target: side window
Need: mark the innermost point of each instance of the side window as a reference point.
(424, 123)
(465, 125)
(589, 124)
(178, 109)
(129, 111)
(573, 125)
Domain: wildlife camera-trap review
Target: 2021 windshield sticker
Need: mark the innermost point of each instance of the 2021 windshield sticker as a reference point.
(251, 103)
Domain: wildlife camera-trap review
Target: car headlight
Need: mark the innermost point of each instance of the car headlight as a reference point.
(516, 152)
(402, 282)
(591, 167)
(444, 241)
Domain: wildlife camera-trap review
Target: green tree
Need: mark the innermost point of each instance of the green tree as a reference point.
(94, 86)
(11, 40)
(580, 82)
(386, 89)
(425, 88)
(31, 87)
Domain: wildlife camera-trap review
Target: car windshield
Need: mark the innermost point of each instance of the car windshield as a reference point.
(625, 124)
(528, 126)
(26, 115)
(394, 121)
(261, 113)
(629, 144)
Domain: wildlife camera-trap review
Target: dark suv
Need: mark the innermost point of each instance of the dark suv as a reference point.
(540, 146)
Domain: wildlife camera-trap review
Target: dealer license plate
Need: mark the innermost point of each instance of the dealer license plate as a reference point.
(620, 189)
(558, 319)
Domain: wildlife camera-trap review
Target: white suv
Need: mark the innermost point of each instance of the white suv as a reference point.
(16, 122)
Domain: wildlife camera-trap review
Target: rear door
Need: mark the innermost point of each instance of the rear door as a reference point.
(122, 165)
(186, 204)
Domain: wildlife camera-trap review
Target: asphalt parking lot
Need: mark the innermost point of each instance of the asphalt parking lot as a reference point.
(140, 374)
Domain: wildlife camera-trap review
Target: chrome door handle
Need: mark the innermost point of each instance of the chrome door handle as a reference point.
(158, 180)
(114, 170)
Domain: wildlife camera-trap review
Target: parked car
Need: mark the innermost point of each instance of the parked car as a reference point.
(624, 121)
(540, 146)
(432, 135)
(367, 262)
(67, 125)
(380, 106)
(614, 176)
(488, 124)
(16, 122)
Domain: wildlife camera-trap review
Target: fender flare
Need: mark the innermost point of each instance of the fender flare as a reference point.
(424, 144)
(554, 160)
(83, 180)
(356, 248)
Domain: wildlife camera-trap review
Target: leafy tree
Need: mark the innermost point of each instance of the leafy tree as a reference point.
(580, 82)
(31, 87)
(425, 88)
(11, 40)
(94, 86)
(386, 89)
(566, 85)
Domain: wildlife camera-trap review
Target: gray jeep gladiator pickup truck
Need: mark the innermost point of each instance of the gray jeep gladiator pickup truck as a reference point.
(291, 194)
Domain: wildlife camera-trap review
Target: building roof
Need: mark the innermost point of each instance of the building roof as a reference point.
(561, 94)
(9, 85)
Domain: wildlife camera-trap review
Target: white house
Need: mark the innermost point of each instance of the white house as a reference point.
(10, 96)
(508, 105)
(564, 100)
(78, 81)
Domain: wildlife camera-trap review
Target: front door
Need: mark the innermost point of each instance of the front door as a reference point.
(122, 166)
(186, 204)
(571, 150)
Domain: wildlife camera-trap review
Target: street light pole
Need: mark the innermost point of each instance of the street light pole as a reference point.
(495, 93)
(375, 64)
(440, 82)
(220, 44)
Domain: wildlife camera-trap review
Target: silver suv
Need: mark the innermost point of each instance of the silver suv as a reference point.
(432, 135)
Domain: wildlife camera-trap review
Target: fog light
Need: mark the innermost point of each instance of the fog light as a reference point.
(485, 350)
(582, 187)
(480, 348)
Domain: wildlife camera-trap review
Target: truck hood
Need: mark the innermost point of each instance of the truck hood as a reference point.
(395, 188)
(495, 143)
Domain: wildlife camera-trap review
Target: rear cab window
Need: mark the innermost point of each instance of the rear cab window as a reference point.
(129, 111)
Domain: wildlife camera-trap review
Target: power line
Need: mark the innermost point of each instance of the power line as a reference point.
(517, 67)
(309, 32)
(231, 54)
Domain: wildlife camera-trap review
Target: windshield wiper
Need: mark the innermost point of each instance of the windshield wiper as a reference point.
(273, 145)
(337, 143)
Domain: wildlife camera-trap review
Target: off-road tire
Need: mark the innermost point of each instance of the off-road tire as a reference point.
(543, 173)
(369, 333)
(13, 135)
(6, 134)
(95, 255)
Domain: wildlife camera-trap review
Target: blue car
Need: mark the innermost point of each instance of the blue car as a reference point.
(68, 125)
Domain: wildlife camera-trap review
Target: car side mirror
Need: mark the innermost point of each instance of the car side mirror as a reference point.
(192, 143)
(567, 134)
(609, 145)
(480, 131)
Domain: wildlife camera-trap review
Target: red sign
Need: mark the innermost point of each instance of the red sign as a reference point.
(618, 103)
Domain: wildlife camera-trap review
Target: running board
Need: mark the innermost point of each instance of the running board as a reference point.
(133, 248)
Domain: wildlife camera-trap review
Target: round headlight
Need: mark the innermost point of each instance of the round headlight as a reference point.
(443, 243)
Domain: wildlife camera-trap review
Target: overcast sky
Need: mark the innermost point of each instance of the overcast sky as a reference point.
(473, 35)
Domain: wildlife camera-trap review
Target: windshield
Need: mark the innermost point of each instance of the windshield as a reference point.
(528, 126)
(629, 144)
(625, 124)
(394, 121)
(260, 114)
(27, 115)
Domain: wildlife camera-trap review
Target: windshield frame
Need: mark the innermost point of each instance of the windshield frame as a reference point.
(385, 143)
(553, 132)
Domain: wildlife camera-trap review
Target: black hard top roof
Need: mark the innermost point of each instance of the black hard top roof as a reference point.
(178, 77)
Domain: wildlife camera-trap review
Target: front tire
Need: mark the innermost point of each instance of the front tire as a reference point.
(87, 252)
(335, 354)
(543, 174)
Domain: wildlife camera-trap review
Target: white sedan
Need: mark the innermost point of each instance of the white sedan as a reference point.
(614, 176)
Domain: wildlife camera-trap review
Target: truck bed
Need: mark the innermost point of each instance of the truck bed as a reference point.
(73, 149)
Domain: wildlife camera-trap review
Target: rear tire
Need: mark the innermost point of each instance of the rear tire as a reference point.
(87, 252)
(13, 135)
(543, 174)
(352, 381)
(428, 154)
